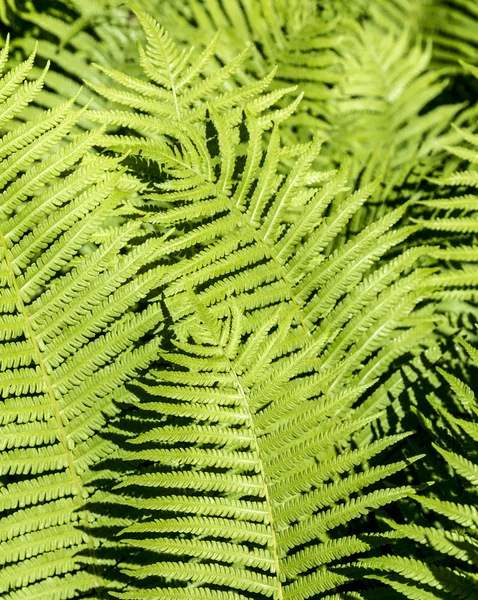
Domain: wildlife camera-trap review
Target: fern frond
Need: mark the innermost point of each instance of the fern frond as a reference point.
(68, 341)
(246, 493)
(455, 573)
(178, 91)
(230, 197)
(450, 25)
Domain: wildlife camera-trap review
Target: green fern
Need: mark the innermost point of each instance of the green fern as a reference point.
(455, 533)
(242, 459)
(286, 34)
(449, 219)
(231, 203)
(329, 58)
(69, 341)
(451, 25)
(265, 233)
(216, 331)
(72, 35)
(367, 94)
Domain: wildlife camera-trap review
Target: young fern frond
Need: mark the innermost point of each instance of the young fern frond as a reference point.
(69, 341)
(242, 457)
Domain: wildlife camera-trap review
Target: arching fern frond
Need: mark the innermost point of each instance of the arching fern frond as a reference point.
(329, 57)
(249, 487)
(68, 341)
(180, 91)
(247, 249)
(379, 127)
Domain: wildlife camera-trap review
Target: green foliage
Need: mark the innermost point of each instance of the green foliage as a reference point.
(242, 462)
(69, 340)
(451, 504)
(230, 281)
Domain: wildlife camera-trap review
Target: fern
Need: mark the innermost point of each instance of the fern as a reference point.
(454, 572)
(450, 25)
(242, 452)
(69, 341)
(231, 203)
(217, 331)
(232, 210)
(71, 35)
(357, 92)
(326, 56)
(448, 217)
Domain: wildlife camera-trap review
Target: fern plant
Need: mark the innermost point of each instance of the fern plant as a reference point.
(450, 25)
(69, 339)
(235, 241)
(234, 207)
(357, 92)
(451, 537)
(216, 329)
(249, 488)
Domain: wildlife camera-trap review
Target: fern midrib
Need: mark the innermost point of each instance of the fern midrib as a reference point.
(173, 87)
(61, 432)
(262, 473)
(264, 478)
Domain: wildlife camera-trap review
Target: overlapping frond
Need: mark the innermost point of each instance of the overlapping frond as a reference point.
(265, 431)
(450, 25)
(249, 226)
(68, 340)
(260, 231)
(72, 35)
